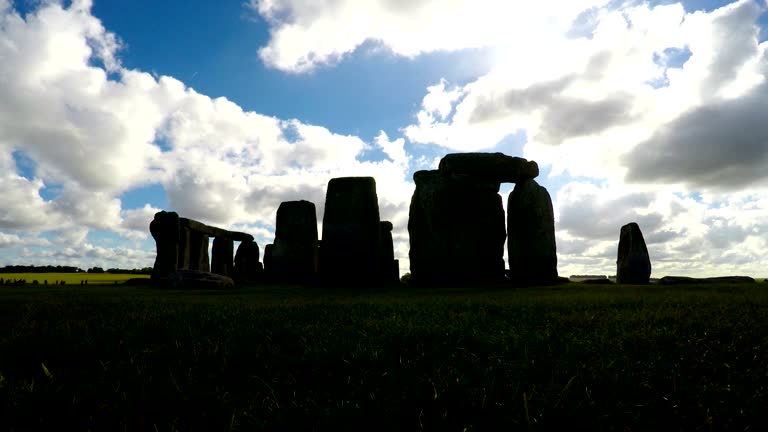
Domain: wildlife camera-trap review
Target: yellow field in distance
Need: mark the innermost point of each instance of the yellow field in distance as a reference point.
(71, 278)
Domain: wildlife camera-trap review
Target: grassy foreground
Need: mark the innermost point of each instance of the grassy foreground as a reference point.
(600, 357)
(71, 278)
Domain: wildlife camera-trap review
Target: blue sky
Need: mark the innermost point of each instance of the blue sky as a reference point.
(650, 112)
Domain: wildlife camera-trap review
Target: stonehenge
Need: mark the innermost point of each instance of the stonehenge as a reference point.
(633, 264)
(456, 227)
(182, 244)
(456, 222)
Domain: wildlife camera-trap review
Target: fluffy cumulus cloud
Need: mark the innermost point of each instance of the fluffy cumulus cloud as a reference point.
(307, 34)
(93, 130)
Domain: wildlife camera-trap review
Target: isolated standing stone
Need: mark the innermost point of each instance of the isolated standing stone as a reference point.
(350, 245)
(165, 230)
(633, 265)
(456, 229)
(531, 247)
(247, 265)
(222, 260)
(295, 249)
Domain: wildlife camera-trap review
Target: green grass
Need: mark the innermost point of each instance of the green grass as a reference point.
(71, 278)
(271, 358)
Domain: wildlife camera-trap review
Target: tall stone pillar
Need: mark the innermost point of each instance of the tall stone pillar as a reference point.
(183, 248)
(633, 264)
(222, 261)
(531, 245)
(198, 251)
(165, 230)
(350, 245)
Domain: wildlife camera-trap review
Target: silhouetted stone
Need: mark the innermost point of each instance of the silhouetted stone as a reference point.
(456, 229)
(165, 230)
(247, 265)
(390, 267)
(222, 259)
(531, 247)
(184, 248)
(268, 257)
(214, 231)
(495, 167)
(684, 280)
(198, 252)
(633, 265)
(350, 231)
(294, 253)
(193, 279)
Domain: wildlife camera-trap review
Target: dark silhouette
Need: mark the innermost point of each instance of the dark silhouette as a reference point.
(182, 244)
(456, 222)
(633, 265)
(294, 253)
(351, 232)
(531, 247)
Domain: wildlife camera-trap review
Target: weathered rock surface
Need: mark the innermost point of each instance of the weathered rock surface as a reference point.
(193, 279)
(633, 265)
(531, 247)
(495, 167)
(295, 249)
(350, 248)
(165, 230)
(247, 265)
(222, 261)
(456, 228)
(684, 280)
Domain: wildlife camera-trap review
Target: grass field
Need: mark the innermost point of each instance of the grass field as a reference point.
(288, 358)
(71, 278)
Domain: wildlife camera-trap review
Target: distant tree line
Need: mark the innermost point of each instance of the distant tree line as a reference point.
(70, 269)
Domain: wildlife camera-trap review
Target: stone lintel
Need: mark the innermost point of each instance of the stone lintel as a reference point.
(214, 231)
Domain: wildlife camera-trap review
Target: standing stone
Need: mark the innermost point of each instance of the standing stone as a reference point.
(222, 261)
(389, 266)
(198, 251)
(295, 250)
(350, 231)
(633, 265)
(268, 257)
(247, 265)
(184, 248)
(531, 245)
(165, 230)
(456, 229)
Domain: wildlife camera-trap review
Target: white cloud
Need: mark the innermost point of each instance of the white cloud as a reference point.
(586, 102)
(95, 137)
(304, 34)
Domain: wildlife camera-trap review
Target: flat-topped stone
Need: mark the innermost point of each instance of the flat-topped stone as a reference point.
(496, 167)
(214, 231)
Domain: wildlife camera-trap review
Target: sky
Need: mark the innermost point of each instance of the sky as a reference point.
(652, 112)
